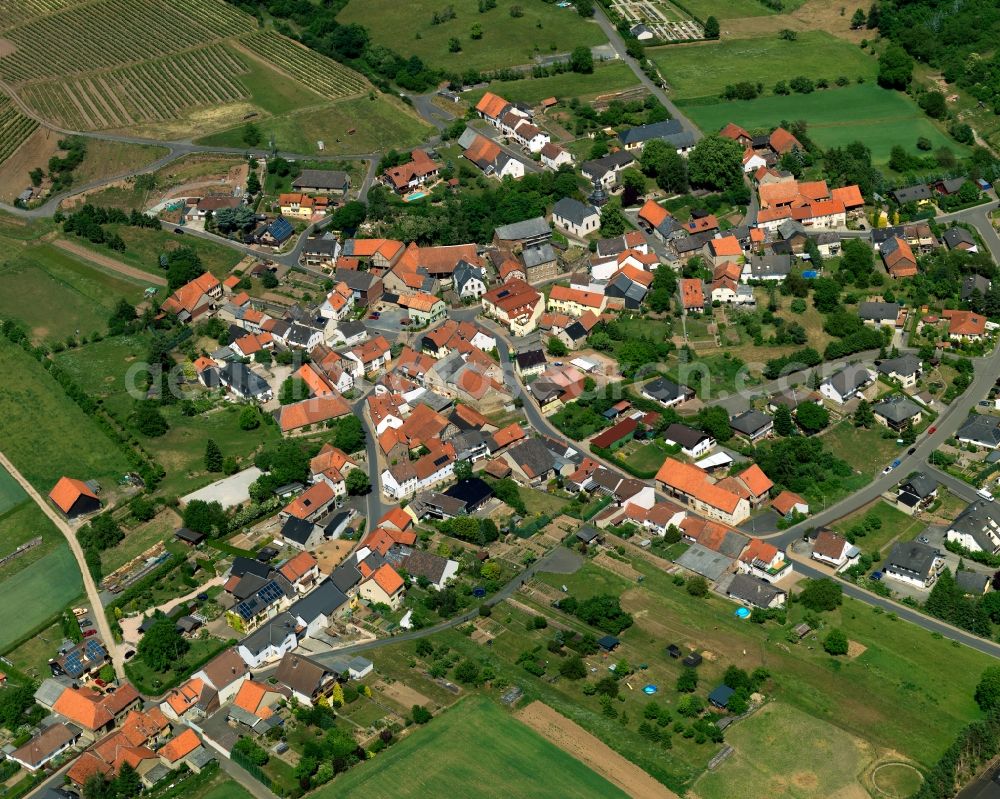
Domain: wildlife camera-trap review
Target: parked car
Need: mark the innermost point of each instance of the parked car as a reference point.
(405, 321)
(985, 494)
(374, 315)
(876, 575)
(924, 539)
(202, 597)
(931, 429)
(90, 632)
(886, 470)
(911, 450)
(895, 463)
(178, 231)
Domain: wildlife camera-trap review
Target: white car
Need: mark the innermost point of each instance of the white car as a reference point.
(985, 494)
(886, 470)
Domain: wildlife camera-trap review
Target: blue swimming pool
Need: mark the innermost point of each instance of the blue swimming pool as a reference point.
(416, 196)
(742, 613)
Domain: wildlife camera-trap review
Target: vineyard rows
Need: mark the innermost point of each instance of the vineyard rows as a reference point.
(149, 92)
(14, 12)
(14, 128)
(322, 74)
(112, 33)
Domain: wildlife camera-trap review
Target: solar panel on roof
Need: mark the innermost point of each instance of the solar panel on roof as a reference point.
(95, 651)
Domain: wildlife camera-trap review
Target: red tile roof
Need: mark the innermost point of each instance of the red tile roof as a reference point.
(67, 491)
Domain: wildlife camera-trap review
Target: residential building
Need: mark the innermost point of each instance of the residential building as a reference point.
(420, 170)
(752, 425)
(327, 181)
(788, 505)
(875, 314)
(670, 131)
(755, 592)
(980, 430)
(965, 325)
(916, 493)
(693, 443)
(693, 486)
(913, 563)
(667, 392)
(847, 383)
(958, 238)
(693, 295)
(977, 528)
(898, 258)
(763, 560)
(514, 304)
(834, 550)
(906, 369)
(897, 412)
(604, 171)
(469, 281)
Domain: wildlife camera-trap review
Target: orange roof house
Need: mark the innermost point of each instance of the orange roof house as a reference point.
(786, 502)
(298, 567)
(703, 224)
(180, 746)
(653, 213)
(693, 485)
(396, 518)
(784, 142)
(311, 502)
(898, 258)
(965, 324)
(726, 247)
(506, 436)
(93, 710)
(73, 497)
(757, 483)
(314, 410)
(491, 105)
(692, 294)
(735, 133)
(850, 196)
(195, 298)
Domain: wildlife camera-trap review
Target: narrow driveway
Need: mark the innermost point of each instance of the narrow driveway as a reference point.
(93, 595)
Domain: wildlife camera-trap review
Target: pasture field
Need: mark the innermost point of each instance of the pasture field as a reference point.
(781, 751)
(100, 369)
(904, 674)
(727, 9)
(43, 277)
(110, 33)
(605, 79)
(408, 28)
(20, 524)
(45, 433)
(327, 76)
(349, 127)
(836, 117)
(15, 128)
(450, 765)
(704, 70)
(11, 493)
(144, 246)
(37, 593)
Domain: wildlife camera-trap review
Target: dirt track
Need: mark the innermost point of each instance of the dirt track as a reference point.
(109, 263)
(576, 741)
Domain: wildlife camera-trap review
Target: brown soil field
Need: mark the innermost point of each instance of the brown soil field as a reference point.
(35, 151)
(576, 741)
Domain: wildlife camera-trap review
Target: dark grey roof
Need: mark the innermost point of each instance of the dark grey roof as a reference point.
(573, 210)
(355, 279)
(464, 272)
(920, 485)
(978, 520)
(904, 365)
(526, 360)
(686, 436)
(346, 576)
(322, 179)
(526, 229)
(417, 562)
(912, 193)
(776, 264)
(349, 329)
(879, 311)
(538, 254)
(897, 409)
(954, 236)
(621, 285)
(971, 582)
(975, 283)
(721, 695)
(669, 130)
(470, 492)
(753, 590)
(587, 533)
(533, 454)
(576, 331)
(849, 379)
(749, 422)
(274, 632)
(665, 390)
(693, 242)
(984, 430)
(951, 185)
(299, 334)
(297, 530)
(791, 227)
(323, 600)
(599, 167)
(242, 566)
(242, 380)
(912, 558)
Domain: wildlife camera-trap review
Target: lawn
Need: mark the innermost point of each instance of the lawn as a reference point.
(101, 369)
(896, 525)
(153, 682)
(704, 70)
(106, 159)
(473, 744)
(181, 451)
(878, 117)
(272, 91)
(32, 657)
(605, 79)
(45, 433)
(43, 278)
(143, 247)
(408, 28)
(781, 751)
(646, 456)
(225, 788)
(864, 450)
(727, 9)
(37, 593)
(375, 122)
(138, 540)
(537, 501)
(905, 674)
(713, 375)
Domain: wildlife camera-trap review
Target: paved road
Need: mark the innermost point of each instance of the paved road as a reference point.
(657, 91)
(560, 560)
(377, 507)
(93, 595)
(432, 113)
(979, 217)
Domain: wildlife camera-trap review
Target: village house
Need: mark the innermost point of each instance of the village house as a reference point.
(913, 563)
(420, 170)
(670, 131)
(898, 258)
(322, 181)
(490, 157)
(847, 383)
(604, 171)
(514, 304)
(554, 156)
(575, 217)
(977, 528)
(693, 486)
(834, 550)
(965, 325)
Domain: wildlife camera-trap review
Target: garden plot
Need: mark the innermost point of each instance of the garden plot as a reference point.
(667, 22)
